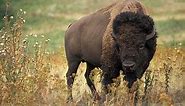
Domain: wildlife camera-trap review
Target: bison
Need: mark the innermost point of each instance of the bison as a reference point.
(120, 37)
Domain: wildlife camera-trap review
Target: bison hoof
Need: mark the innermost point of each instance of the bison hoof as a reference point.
(97, 97)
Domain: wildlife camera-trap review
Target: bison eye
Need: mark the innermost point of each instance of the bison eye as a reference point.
(142, 46)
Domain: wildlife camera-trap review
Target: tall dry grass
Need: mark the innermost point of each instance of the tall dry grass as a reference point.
(24, 67)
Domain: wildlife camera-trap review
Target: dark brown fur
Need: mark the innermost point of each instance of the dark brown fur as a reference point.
(129, 30)
(114, 39)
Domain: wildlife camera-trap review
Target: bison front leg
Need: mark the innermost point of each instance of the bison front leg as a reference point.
(130, 78)
(105, 83)
(133, 88)
(108, 76)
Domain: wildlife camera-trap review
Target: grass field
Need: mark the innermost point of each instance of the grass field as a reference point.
(44, 74)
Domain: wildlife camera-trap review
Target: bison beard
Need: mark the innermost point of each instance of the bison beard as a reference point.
(118, 34)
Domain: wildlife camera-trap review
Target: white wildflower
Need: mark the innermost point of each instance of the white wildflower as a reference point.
(1, 44)
(47, 53)
(29, 75)
(178, 51)
(24, 12)
(35, 35)
(20, 9)
(180, 44)
(47, 40)
(24, 41)
(11, 17)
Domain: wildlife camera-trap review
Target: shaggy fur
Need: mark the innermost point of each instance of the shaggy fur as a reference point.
(141, 21)
(127, 14)
(108, 42)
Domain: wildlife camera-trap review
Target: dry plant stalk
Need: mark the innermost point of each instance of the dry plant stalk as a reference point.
(149, 78)
(24, 68)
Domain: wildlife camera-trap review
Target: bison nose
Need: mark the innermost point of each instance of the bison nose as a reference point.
(128, 65)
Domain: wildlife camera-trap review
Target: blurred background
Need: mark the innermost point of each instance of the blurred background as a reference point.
(52, 17)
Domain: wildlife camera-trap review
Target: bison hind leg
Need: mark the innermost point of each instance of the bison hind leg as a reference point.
(70, 75)
(89, 68)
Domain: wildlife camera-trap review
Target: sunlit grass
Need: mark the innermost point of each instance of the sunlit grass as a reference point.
(171, 27)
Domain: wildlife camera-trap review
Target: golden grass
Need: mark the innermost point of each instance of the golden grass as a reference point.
(160, 85)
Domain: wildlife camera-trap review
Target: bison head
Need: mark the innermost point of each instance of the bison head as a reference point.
(131, 33)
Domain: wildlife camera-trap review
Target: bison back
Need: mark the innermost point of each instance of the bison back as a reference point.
(83, 39)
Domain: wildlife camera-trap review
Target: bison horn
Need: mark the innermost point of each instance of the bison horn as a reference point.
(151, 35)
